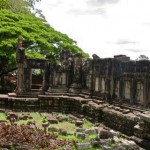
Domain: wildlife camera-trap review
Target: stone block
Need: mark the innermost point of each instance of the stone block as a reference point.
(90, 131)
(63, 132)
(78, 123)
(145, 117)
(80, 135)
(80, 129)
(53, 129)
(83, 146)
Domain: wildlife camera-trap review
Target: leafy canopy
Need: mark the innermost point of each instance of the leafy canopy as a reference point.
(39, 38)
(15, 5)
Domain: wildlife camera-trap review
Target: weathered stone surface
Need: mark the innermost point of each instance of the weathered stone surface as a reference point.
(62, 118)
(80, 135)
(145, 117)
(31, 122)
(53, 129)
(80, 129)
(83, 146)
(78, 123)
(90, 131)
(45, 124)
(52, 120)
(105, 134)
(25, 116)
(12, 115)
(125, 111)
(141, 142)
(63, 132)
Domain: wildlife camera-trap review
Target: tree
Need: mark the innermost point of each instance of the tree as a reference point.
(39, 38)
(142, 57)
(15, 5)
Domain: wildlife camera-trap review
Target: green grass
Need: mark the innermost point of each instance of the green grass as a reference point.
(70, 127)
(2, 116)
(36, 116)
(66, 125)
(87, 124)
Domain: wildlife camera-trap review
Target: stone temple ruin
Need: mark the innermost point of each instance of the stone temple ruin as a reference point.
(114, 91)
(114, 79)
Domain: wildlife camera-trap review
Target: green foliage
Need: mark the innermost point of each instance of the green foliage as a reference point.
(31, 54)
(39, 38)
(15, 5)
(87, 124)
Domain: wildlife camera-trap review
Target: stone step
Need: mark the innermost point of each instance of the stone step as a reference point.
(85, 95)
(59, 93)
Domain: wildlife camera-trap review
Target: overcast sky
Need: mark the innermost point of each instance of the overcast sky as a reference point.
(104, 27)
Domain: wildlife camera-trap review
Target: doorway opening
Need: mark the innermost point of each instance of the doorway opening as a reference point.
(36, 79)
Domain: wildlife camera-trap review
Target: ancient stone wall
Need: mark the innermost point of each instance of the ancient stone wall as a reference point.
(113, 79)
(130, 121)
(97, 111)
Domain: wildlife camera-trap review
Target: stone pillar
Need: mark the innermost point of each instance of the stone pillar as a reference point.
(139, 92)
(103, 85)
(107, 88)
(111, 87)
(63, 78)
(133, 91)
(51, 75)
(20, 59)
(121, 90)
(127, 89)
(20, 78)
(77, 74)
(97, 84)
(45, 84)
(146, 92)
(116, 89)
(27, 79)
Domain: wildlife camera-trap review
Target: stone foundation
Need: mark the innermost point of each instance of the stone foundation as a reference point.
(128, 121)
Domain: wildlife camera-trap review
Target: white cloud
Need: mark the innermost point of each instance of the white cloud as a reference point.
(101, 2)
(95, 11)
(97, 25)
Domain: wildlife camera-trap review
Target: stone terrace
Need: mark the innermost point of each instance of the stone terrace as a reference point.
(134, 123)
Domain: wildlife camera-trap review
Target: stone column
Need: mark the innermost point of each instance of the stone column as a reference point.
(27, 79)
(121, 90)
(97, 84)
(77, 74)
(133, 91)
(20, 59)
(146, 91)
(111, 87)
(20, 78)
(45, 84)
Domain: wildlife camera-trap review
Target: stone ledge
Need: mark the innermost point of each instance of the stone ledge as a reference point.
(145, 117)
